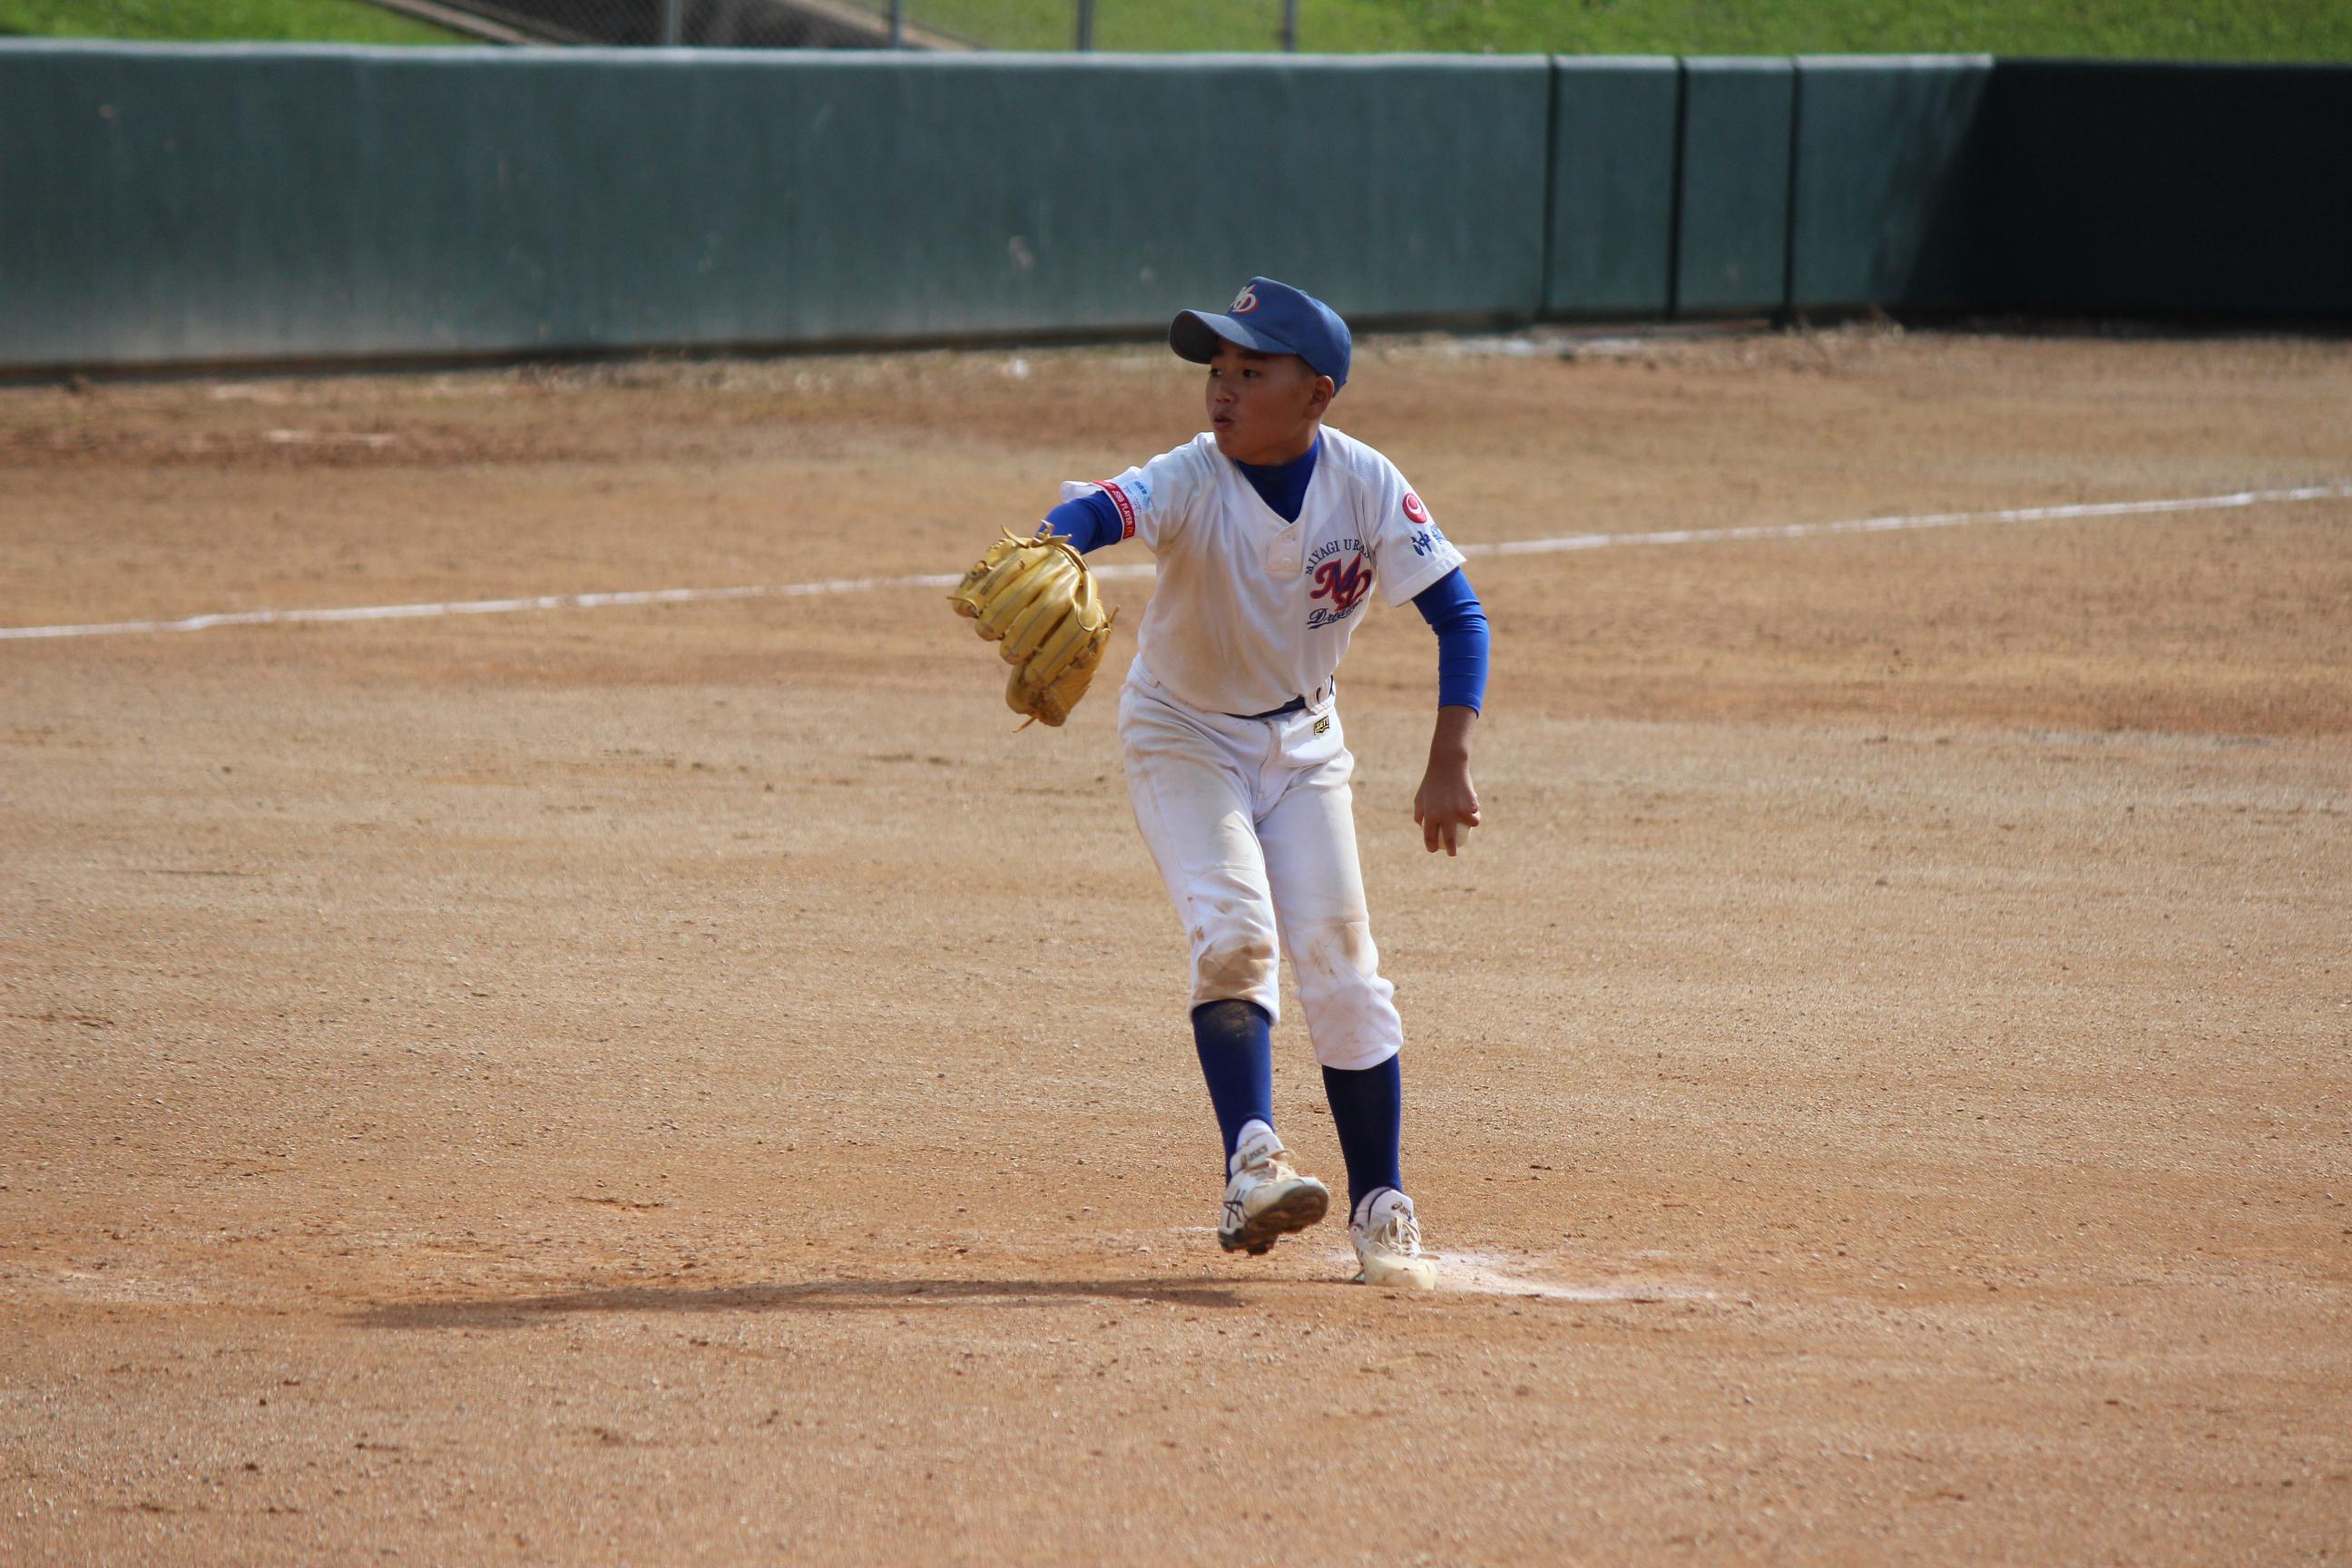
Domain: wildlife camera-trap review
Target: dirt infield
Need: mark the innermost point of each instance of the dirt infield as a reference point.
(687, 1083)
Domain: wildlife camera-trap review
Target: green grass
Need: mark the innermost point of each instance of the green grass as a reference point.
(217, 21)
(2140, 29)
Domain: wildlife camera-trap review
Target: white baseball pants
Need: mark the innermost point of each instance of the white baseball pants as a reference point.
(1251, 821)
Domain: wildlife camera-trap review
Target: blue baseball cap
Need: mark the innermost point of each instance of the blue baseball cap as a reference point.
(1274, 319)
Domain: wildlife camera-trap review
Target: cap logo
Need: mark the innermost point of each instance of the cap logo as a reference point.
(1245, 302)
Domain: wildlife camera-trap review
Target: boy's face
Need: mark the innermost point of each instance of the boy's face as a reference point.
(1264, 408)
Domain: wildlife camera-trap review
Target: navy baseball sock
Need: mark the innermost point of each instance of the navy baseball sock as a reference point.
(1235, 1040)
(1368, 1112)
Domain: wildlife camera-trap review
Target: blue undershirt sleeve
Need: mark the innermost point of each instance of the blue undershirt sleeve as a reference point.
(1454, 612)
(1088, 522)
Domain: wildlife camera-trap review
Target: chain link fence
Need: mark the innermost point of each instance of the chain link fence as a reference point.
(1141, 25)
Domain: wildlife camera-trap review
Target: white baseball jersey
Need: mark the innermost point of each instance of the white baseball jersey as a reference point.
(1251, 611)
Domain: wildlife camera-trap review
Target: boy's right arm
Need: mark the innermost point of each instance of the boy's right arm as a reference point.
(1088, 522)
(1151, 503)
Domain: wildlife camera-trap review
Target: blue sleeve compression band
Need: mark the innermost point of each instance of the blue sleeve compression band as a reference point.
(1454, 612)
(1089, 522)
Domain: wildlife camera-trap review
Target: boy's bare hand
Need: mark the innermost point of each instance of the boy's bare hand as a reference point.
(1447, 804)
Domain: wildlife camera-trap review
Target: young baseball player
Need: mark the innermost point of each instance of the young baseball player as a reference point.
(1270, 530)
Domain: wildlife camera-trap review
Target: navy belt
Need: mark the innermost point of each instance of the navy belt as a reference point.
(1296, 705)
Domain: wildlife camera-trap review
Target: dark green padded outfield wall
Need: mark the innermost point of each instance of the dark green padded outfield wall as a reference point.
(165, 204)
(1732, 216)
(180, 203)
(1613, 187)
(1887, 184)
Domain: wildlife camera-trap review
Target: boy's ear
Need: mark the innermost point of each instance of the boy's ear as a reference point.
(1324, 393)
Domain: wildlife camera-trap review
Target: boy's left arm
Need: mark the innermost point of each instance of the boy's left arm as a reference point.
(1447, 804)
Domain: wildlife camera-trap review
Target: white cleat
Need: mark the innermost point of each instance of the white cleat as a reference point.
(1265, 1198)
(1388, 1245)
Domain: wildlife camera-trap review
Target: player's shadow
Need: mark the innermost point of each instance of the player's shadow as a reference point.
(810, 1296)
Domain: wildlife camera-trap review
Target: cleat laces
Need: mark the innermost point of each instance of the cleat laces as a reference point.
(1271, 1165)
(1400, 1234)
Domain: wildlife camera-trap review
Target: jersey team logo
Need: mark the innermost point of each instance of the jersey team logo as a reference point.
(1244, 302)
(1414, 510)
(1344, 583)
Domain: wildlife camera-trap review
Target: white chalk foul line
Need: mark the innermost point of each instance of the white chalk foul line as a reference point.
(836, 585)
(1920, 520)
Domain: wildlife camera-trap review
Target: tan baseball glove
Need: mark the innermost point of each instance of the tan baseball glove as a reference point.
(1038, 596)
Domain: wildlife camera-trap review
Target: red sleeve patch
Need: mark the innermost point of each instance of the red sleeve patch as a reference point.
(1126, 509)
(1414, 510)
